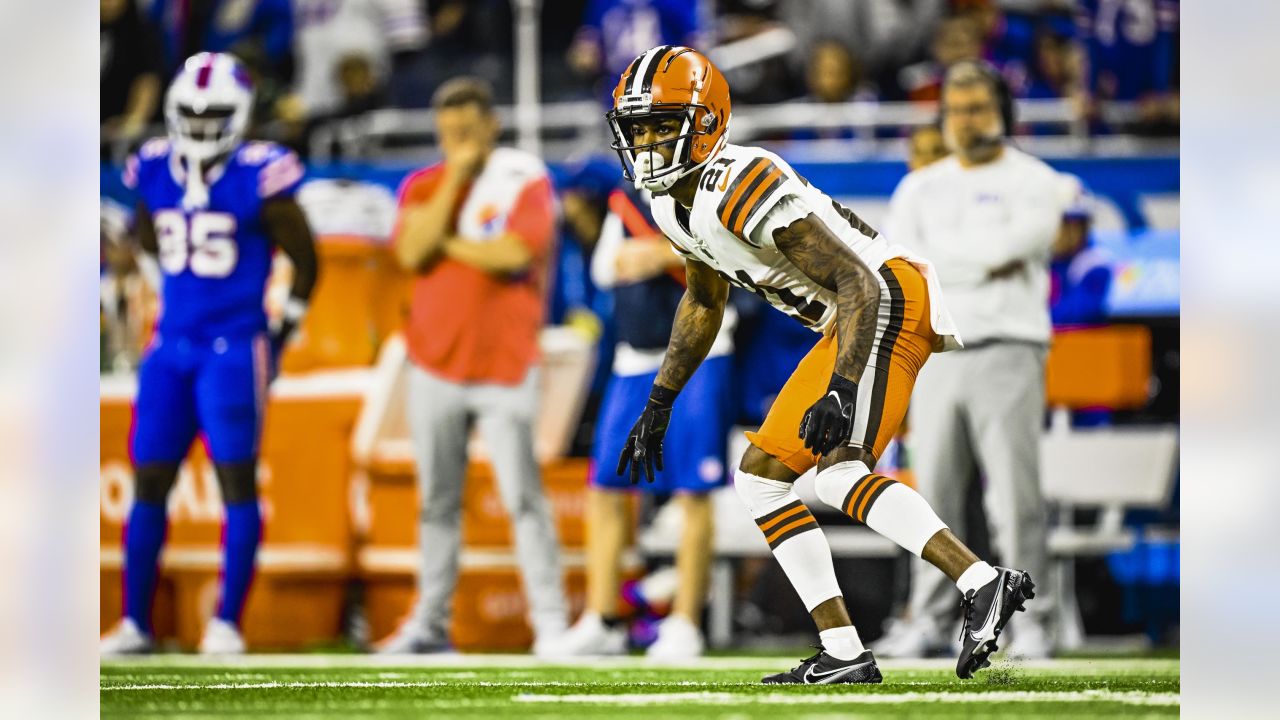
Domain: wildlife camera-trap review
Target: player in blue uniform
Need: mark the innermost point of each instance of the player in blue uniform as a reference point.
(212, 209)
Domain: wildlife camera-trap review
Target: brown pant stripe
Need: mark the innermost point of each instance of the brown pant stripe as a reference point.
(884, 358)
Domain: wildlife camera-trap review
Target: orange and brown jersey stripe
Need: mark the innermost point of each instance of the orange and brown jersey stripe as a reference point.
(786, 522)
(863, 495)
(748, 193)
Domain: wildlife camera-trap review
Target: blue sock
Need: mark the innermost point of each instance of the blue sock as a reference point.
(239, 548)
(143, 537)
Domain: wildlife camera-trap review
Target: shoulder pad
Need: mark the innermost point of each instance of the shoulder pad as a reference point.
(153, 151)
(278, 168)
(154, 148)
(259, 152)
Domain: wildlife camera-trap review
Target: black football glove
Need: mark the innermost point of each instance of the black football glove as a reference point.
(828, 423)
(644, 445)
(283, 328)
(279, 337)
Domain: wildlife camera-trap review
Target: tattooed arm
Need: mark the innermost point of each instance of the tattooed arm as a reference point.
(696, 325)
(812, 247)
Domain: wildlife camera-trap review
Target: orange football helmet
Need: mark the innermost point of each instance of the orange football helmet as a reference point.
(670, 80)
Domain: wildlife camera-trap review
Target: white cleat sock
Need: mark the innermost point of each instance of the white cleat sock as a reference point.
(842, 643)
(589, 636)
(978, 575)
(126, 639)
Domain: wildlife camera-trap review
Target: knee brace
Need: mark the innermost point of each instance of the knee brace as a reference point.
(833, 484)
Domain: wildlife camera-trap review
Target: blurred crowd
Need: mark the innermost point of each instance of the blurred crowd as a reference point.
(319, 60)
(316, 60)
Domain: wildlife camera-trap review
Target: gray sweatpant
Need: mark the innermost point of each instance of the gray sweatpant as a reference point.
(440, 413)
(982, 407)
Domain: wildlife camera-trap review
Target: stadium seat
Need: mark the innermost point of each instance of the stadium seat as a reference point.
(1099, 367)
(1105, 469)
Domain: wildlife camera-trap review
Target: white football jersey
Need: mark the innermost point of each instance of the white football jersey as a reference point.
(725, 229)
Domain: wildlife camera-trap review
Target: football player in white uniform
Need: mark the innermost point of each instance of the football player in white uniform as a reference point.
(742, 216)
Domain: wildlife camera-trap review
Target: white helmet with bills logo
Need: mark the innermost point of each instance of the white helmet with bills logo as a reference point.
(207, 109)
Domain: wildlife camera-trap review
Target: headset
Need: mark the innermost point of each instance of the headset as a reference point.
(1004, 96)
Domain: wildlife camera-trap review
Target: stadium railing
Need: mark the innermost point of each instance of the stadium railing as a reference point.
(571, 128)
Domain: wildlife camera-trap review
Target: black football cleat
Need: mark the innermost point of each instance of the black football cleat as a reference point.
(823, 669)
(986, 611)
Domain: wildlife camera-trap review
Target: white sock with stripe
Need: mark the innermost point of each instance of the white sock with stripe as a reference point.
(794, 536)
(881, 503)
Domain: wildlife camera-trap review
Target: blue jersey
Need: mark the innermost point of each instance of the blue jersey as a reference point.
(1132, 46)
(215, 261)
(229, 24)
(627, 28)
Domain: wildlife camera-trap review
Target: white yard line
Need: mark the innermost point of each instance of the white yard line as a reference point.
(272, 684)
(701, 698)
(523, 661)
(828, 698)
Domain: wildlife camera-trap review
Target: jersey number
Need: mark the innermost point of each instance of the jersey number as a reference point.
(205, 242)
(711, 177)
(717, 175)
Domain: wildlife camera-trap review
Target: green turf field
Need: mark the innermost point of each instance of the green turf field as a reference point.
(490, 686)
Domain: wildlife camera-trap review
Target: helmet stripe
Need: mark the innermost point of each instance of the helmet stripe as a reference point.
(202, 75)
(630, 74)
(655, 59)
(639, 85)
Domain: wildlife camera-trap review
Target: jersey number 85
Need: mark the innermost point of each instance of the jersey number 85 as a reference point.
(205, 241)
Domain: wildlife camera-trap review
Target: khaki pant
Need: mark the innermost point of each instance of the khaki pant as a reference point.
(440, 414)
(982, 407)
